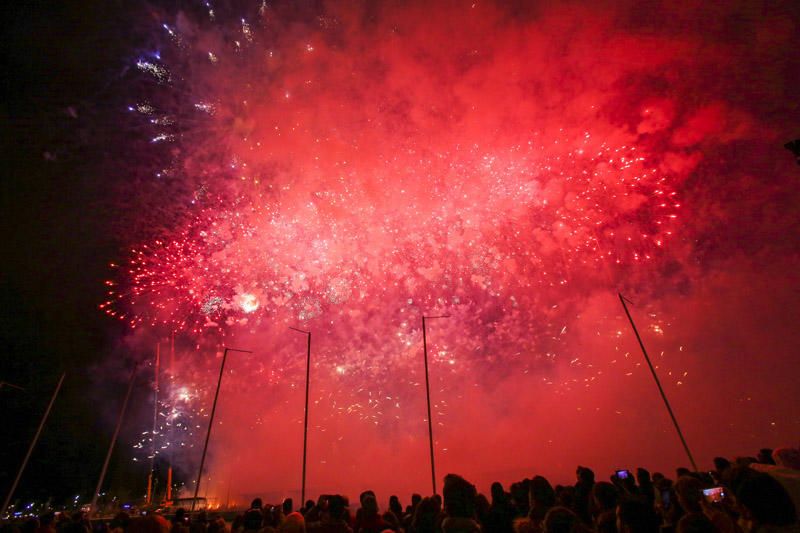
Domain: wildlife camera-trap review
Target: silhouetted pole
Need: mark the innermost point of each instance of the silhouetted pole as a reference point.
(96, 494)
(169, 485)
(33, 442)
(428, 396)
(149, 498)
(658, 383)
(211, 422)
(168, 497)
(305, 421)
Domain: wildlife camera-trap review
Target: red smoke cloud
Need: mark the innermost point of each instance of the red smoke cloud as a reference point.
(513, 166)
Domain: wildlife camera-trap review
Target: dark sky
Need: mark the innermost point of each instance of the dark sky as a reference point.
(55, 247)
(708, 94)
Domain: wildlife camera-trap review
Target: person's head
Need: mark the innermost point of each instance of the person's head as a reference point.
(217, 525)
(765, 456)
(560, 520)
(180, 516)
(294, 523)
(391, 520)
(497, 491)
(288, 506)
(542, 495)
(565, 495)
(695, 523)
(721, 464)
(679, 472)
(364, 495)
(394, 505)
(585, 475)
(273, 515)
(764, 501)
(424, 519)
(415, 499)
(689, 491)
(459, 496)
(635, 515)
(787, 458)
(369, 506)
(604, 496)
(256, 504)
(336, 507)
(643, 477)
(520, 494)
(149, 524)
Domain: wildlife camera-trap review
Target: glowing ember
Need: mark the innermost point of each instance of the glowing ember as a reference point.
(248, 302)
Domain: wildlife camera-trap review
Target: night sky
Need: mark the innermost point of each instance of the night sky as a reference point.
(182, 177)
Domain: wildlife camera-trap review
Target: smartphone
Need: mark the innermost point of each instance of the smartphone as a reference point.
(622, 474)
(714, 495)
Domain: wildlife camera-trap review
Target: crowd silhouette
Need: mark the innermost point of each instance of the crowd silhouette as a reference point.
(749, 495)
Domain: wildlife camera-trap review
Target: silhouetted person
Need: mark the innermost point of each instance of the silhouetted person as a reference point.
(520, 496)
(426, 515)
(149, 524)
(217, 525)
(411, 510)
(369, 519)
(254, 516)
(689, 491)
(501, 512)
(360, 510)
(695, 523)
(542, 499)
(395, 507)
(459, 496)
(635, 516)
(288, 506)
(646, 487)
(765, 505)
(565, 496)
(180, 521)
(294, 523)
(482, 507)
(583, 488)
(199, 523)
(765, 456)
(415, 499)
(119, 524)
(561, 520)
(308, 506)
(335, 520)
(603, 503)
